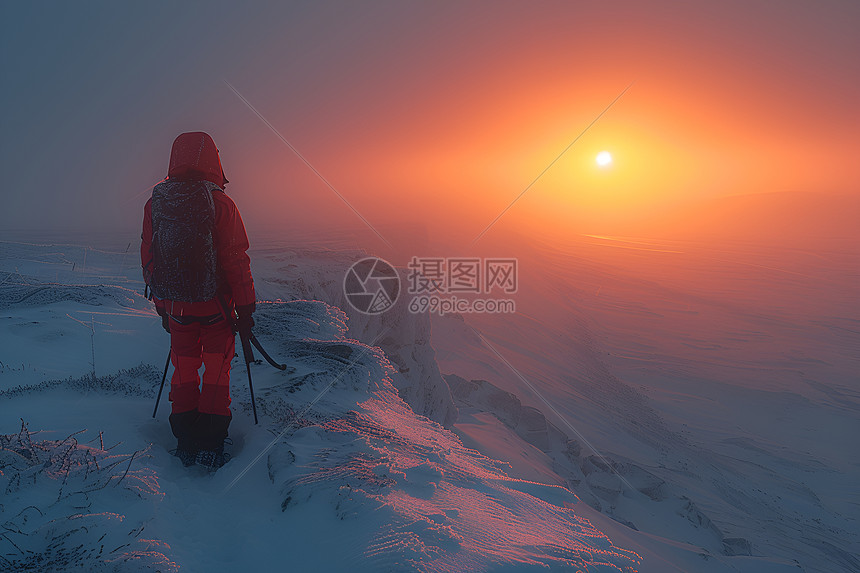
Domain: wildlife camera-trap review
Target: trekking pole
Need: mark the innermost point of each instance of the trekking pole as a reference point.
(163, 378)
(265, 354)
(249, 357)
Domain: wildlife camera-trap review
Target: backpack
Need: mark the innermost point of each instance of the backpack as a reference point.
(185, 262)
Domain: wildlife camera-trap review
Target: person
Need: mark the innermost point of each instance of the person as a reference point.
(194, 259)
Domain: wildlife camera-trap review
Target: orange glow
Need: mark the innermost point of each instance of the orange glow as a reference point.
(452, 148)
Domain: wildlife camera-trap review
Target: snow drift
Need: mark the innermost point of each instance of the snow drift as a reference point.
(339, 460)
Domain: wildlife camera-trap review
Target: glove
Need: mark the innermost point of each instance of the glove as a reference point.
(245, 321)
(165, 323)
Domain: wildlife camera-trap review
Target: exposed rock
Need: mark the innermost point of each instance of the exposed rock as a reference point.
(737, 546)
(527, 422)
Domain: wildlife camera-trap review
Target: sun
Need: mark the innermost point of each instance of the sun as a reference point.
(603, 158)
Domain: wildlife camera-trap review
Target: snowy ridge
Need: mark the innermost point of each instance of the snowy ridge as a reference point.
(436, 505)
(342, 455)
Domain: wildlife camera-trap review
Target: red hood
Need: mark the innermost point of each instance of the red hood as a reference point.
(194, 156)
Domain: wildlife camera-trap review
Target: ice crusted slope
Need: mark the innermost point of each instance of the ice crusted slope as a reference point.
(406, 488)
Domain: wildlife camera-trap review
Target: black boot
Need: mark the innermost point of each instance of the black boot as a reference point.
(210, 432)
(183, 426)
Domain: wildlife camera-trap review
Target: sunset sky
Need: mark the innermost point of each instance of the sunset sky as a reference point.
(428, 113)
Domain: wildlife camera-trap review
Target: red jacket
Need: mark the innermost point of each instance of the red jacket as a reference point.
(194, 156)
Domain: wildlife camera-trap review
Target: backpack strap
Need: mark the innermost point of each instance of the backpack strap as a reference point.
(185, 320)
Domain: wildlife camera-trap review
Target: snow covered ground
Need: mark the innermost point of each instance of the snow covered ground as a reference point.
(725, 381)
(340, 474)
(705, 425)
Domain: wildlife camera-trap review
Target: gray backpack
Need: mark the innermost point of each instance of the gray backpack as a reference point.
(185, 262)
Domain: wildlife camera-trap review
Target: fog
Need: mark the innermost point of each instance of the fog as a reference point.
(428, 119)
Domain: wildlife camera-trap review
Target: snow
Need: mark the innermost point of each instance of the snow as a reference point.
(728, 375)
(696, 424)
(340, 473)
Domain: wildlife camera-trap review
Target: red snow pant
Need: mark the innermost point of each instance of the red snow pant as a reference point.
(195, 344)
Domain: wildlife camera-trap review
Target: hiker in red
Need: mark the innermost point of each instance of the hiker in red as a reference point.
(193, 252)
